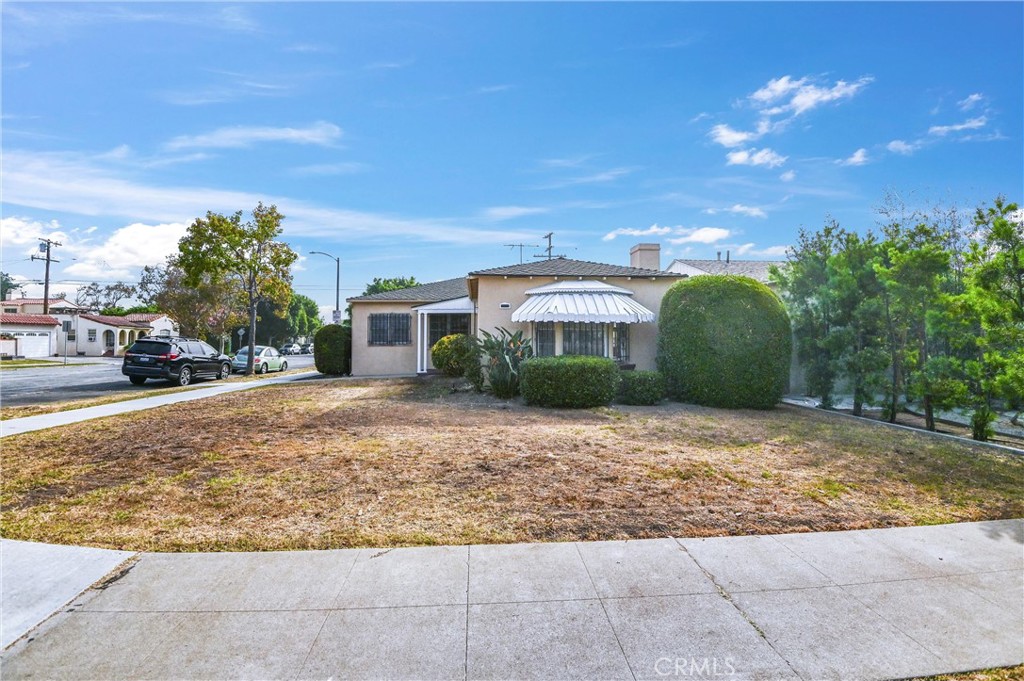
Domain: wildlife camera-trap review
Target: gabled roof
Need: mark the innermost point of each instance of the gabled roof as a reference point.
(144, 316)
(564, 267)
(60, 302)
(435, 292)
(110, 320)
(755, 269)
(28, 319)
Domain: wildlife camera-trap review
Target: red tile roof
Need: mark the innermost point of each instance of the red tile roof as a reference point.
(39, 301)
(144, 316)
(28, 319)
(114, 321)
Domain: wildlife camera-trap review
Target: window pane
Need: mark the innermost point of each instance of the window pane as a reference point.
(583, 339)
(620, 342)
(544, 339)
(390, 328)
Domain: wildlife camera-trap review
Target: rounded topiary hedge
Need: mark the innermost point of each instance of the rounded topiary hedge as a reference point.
(332, 350)
(452, 354)
(724, 341)
(641, 387)
(570, 381)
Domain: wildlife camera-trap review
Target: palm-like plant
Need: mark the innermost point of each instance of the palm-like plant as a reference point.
(505, 351)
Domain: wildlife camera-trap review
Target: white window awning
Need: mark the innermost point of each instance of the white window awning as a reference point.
(582, 301)
(455, 306)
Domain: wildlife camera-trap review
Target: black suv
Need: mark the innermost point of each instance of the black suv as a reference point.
(175, 359)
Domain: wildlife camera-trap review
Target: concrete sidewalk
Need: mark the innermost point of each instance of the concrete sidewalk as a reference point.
(865, 604)
(62, 418)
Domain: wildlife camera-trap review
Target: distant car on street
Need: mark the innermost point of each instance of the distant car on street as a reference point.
(307, 349)
(264, 359)
(291, 349)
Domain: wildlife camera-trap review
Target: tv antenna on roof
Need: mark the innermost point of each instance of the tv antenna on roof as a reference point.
(549, 249)
(521, 247)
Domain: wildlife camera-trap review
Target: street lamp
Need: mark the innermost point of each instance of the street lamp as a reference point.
(337, 284)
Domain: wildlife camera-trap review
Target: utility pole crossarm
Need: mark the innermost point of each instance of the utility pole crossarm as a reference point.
(44, 246)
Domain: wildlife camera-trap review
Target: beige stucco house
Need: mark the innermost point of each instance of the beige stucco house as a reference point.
(565, 307)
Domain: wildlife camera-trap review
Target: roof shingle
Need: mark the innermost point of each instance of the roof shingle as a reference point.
(435, 292)
(755, 269)
(114, 321)
(564, 267)
(28, 319)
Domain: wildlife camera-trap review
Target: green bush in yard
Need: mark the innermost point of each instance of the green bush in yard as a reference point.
(571, 381)
(453, 354)
(332, 350)
(641, 387)
(724, 341)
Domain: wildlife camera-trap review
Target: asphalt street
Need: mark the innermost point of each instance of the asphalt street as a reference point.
(85, 378)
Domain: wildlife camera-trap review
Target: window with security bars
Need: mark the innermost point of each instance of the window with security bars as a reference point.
(544, 339)
(620, 342)
(391, 328)
(442, 325)
(580, 338)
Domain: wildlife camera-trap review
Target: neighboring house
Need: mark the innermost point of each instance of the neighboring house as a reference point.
(565, 307)
(755, 269)
(35, 306)
(36, 334)
(160, 324)
(95, 335)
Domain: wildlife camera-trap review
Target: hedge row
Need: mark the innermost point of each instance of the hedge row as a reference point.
(569, 381)
(332, 350)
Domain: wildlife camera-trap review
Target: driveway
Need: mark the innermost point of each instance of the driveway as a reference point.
(85, 378)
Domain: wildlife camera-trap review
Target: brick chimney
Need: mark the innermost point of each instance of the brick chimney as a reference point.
(645, 256)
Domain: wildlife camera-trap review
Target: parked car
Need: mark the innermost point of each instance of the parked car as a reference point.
(307, 349)
(265, 359)
(175, 359)
(291, 349)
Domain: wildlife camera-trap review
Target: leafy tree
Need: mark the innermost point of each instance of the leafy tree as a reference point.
(105, 298)
(248, 253)
(7, 284)
(379, 285)
(807, 291)
(303, 315)
(209, 308)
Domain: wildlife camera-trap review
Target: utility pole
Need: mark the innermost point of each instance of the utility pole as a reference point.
(44, 247)
(549, 249)
(521, 247)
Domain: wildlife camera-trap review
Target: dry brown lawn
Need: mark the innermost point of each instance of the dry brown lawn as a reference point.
(341, 463)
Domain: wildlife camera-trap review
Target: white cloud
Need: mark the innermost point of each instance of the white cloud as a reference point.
(125, 251)
(788, 176)
(700, 235)
(320, 133)
(567, 162)
(739, 209)
(345, 168)
(491, 89)
(71, 183)
(970, 101)
(21, 235)
(970, 124)
(769, 252)
(653, 230)
(499, 213)
(594, 178)
(755, 157)
(901, 147)
(786, 95)
(727, 137)
(858, 158)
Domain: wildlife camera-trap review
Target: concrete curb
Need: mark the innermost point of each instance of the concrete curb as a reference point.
(953, 438)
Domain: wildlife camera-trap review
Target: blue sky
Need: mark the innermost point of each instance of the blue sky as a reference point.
(419, 139)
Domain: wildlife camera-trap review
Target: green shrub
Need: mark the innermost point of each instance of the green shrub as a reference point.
(332, 350)
(572, 381)
(505, 352)
(452, 354)
(724, 341)
(641, 387)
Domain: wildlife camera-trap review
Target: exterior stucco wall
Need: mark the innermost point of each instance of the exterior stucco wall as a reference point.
(495, 290)
(381, 360)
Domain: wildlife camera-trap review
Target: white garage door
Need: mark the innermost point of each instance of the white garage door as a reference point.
(35, 345)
